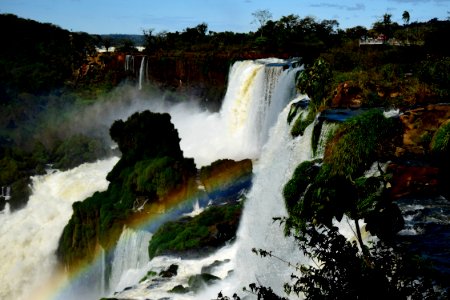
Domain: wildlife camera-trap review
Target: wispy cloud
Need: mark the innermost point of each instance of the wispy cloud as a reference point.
(356, 7)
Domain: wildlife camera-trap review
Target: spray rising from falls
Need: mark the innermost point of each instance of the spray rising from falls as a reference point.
(256, 93)
(264, 202)
(276, 165)
(29, 237)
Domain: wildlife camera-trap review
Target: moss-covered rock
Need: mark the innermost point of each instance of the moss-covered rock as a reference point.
(197, 282)
(318, 194)
(151, 171)
(76, 150)
(179, 289)
(197, 236)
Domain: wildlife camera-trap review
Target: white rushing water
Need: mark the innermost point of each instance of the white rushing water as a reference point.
(130, 259)
(142, 71)
(255, 96)
(280, 157)
(278, 160)
(29, 237)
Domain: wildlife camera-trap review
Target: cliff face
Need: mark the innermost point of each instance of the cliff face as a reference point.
(199, 75)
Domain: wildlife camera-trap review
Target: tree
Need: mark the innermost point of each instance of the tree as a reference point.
(405, 17)
(384, 26)
(261, 16)
(149, 39)
(107, 43)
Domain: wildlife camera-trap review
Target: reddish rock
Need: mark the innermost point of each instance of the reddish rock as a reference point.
(224, 173)
(413, 180)
(419, 125)
(347, 94)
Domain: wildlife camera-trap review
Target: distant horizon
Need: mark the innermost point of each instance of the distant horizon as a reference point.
(134, 16)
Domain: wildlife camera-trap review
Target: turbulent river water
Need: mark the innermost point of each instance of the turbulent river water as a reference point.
(251, 124)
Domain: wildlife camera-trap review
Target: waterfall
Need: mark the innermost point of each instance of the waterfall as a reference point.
(256, 93)
(129, 63)
(130, 259)
(265, 201)
(6, 193)
(142, 72)
(326, 131)
(29, 237)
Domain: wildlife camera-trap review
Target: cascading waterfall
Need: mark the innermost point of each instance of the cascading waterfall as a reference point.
(264, 202)
(32, 233)
(142, 71)
(278, 160)
(246, 102)
(283, 92)
(256, 94)
(29, 237)
(130, 258)
(129, 63)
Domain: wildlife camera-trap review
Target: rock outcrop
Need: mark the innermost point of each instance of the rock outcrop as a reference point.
(151, 175)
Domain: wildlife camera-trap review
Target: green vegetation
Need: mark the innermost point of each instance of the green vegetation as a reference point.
(211, 229)
(76, 150)
(148, 275)
(441, 140)
(50, 73)
(151, 168)
(360, 141)
(318, 193)
(339, 187)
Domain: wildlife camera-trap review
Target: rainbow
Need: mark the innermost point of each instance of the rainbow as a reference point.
(61, 285)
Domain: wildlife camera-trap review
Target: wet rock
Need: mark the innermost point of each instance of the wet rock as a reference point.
(211, 267)
(179, 289)
(224, 178)
(169, 272)
(296, 107)
(197, 282)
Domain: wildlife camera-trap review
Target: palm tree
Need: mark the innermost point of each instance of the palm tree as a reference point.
(405, 17)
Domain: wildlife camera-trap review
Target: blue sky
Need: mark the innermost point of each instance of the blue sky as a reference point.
(134, 16)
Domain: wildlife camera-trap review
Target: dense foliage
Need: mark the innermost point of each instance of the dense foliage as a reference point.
(199, 235)
(340, 271)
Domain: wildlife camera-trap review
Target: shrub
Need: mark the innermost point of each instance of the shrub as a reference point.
(202, 231)
(359, 142)
(441, 140)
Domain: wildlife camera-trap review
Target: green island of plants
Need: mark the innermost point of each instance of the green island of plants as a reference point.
(151, 168)
(198, 235)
